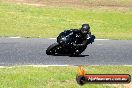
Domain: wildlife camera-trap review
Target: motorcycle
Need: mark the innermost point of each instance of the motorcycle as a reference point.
(64, 45)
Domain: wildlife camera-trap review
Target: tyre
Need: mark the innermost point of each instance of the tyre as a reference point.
(80, 80)
(53, 49)
(80, 50)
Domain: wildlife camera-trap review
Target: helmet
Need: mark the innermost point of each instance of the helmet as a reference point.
(85, 28)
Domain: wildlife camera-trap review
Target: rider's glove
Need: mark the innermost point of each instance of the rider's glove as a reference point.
(91, 39)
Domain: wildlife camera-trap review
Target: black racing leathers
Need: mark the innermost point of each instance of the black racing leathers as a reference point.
(78, 39)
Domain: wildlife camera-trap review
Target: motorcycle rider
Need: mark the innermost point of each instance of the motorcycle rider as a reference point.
(82, 37)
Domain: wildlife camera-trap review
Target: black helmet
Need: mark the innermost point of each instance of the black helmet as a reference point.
(85, 28)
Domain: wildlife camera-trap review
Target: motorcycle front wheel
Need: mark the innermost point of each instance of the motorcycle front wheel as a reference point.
(53, 49)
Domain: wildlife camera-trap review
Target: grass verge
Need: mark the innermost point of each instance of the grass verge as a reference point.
(56, 77)
(31, 21)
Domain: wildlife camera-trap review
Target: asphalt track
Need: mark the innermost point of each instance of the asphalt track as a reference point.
(31, 51)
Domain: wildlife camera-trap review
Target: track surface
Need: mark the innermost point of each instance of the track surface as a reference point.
(31, 51)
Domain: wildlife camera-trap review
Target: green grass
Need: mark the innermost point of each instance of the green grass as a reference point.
(54, 77)
(30, 21)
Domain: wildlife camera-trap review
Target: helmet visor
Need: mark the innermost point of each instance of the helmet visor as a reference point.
(85, 29)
